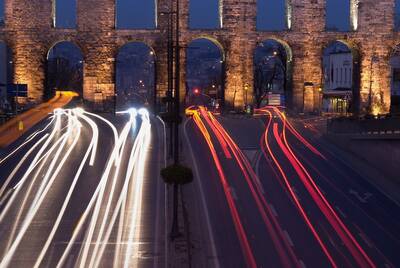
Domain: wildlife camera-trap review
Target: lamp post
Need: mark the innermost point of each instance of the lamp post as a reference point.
(374, 59)
(177, 86)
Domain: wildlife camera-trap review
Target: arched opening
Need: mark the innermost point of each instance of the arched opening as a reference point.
(64, 69)
(135, 75)
(272, 73)
(6, 80)
(395, 81)
(205, 74)
(340, 85)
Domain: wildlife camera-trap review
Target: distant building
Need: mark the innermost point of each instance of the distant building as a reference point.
(338, 82)
(338, 70)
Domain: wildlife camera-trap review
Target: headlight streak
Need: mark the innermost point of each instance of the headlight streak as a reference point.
(123, 137)
(5, 261)
(134, 160)
(41, 161)
(71, 123)
(63, 146)
(136, 215)
(32, 165)
(91, 149)
(30, 138)
(115, 159)
(12, 174)
(113, 128)
(86, 213)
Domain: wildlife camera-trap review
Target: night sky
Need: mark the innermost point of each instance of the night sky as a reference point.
(204, 14)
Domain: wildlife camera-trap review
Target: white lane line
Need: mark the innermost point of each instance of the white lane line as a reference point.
(302, 264)
(156, 262)
(233, 193)
(366, 239)
(288, 238)
(273, 210)
(199, 184)
(340, 212)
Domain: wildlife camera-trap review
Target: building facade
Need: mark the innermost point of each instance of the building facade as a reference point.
(30, 33)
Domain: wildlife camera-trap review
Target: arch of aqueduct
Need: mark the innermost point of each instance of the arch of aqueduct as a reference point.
(28, 31)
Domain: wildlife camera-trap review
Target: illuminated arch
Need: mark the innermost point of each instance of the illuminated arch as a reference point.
(150, 97)
(54, 80)
(287, 71)
(354, 105)
(213, 41)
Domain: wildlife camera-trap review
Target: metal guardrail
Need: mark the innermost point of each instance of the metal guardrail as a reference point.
(386, 125)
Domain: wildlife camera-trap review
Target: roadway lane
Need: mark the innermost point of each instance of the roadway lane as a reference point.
(328, 213)
(263, 241)
(363, 210)
(371, 215)
(229, 253)
(84, 212)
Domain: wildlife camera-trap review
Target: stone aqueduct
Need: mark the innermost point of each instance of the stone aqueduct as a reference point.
(28, 31)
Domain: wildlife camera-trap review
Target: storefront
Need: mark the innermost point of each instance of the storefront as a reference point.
(337, 102)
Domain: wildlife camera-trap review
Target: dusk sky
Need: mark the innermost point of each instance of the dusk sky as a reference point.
(203, 14)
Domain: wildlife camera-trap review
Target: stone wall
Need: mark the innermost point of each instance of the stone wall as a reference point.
(30, 35)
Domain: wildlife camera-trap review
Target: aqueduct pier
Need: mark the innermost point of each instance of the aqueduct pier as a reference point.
(29, 32)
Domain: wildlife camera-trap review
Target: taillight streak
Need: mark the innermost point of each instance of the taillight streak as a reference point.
(293, 195)
(249, 257)
(354, 247)
(251, 179)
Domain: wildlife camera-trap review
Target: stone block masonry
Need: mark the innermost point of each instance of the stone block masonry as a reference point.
(29, 32)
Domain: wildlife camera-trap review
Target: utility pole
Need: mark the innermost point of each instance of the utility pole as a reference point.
(170, 68)
(177, 86)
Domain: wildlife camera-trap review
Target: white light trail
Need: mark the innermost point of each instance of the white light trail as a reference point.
(5, 261)
(91, 149)
(117, 194)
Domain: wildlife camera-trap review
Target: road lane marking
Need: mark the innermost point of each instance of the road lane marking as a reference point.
(289, 239)
(233, 193)
(340, 212)
(302, 264)
(214, 258)
(164, 164)
(273, 210)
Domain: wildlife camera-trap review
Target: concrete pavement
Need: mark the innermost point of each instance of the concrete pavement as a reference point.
(17, 126)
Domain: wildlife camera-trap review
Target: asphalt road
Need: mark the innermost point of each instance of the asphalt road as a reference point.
(80, 190)
(277, 196)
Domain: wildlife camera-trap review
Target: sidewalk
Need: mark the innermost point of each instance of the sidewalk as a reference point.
(13, 129)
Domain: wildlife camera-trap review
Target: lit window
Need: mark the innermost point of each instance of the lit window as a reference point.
(338, 17)
(205, 14)
(64, 14)
(273, 15)
(135, 14)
